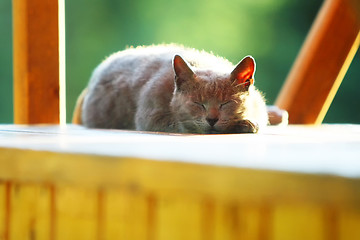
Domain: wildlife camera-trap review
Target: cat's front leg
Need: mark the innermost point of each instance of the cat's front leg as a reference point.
(155, 121)
(243, 126)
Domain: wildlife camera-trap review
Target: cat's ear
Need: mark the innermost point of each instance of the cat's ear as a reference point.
(243, 74)
(182, 71)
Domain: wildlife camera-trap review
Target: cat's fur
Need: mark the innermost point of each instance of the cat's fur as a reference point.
(154, 89)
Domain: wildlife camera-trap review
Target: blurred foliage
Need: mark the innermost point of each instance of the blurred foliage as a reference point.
(6, 105)
(270, 30)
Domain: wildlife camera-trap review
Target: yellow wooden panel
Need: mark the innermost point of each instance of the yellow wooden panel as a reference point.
(233, 220)
(208, 212)
(225, 221)
(30, 216)
(179, 216)
(76, 213)
(3, 211)
(250, 184)
(125, 215)
(298, 222)
(349, 224)
(253, 222)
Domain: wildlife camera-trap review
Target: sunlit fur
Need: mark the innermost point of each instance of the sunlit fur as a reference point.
(136, 89)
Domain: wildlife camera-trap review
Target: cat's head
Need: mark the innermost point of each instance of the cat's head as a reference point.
(206, 101)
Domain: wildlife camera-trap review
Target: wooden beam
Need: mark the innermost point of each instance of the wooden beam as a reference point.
(322, 63)
(36, 61)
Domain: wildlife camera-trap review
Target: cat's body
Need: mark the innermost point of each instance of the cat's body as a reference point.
(154, 89)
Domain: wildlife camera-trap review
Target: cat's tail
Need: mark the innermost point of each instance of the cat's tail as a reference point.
(77, 119)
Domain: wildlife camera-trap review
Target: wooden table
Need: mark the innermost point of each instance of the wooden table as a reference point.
(69, 182)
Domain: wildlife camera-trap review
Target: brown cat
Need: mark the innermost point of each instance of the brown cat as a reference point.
(170, 88)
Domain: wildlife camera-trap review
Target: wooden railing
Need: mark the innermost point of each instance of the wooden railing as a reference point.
(39, 61)
(322, 62)
(74, 183)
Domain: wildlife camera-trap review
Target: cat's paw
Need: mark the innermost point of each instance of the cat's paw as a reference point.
(244, 126)
(277, 116)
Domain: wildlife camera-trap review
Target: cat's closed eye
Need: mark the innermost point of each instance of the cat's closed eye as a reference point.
(198, 104)
(225, 104)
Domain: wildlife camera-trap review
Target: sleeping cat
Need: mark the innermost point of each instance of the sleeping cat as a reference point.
(170, 88)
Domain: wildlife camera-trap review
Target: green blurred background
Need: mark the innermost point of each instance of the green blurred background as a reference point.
(270, 30)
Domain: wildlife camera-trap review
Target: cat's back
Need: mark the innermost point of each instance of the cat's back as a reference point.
(143, 62)
(133, 64)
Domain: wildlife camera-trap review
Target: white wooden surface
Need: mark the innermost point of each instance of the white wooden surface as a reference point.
(325, 149)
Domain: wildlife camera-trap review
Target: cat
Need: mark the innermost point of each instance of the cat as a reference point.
(170, 88)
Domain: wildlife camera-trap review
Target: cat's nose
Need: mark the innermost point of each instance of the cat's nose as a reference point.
(212, 121)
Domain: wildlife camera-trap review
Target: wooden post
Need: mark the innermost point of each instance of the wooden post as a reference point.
(37, 67)
(322, 63)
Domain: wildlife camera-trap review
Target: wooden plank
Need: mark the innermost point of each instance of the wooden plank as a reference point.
(252, 184)
(36, 61)
(125, 214)
(226, 219)
(179, 216)
(4, 214)
(30, 212)
(349, 222)
(321, 64)
(230, 222)
(254, 221)
(269, 150)
(298, 222)
(76, 213)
